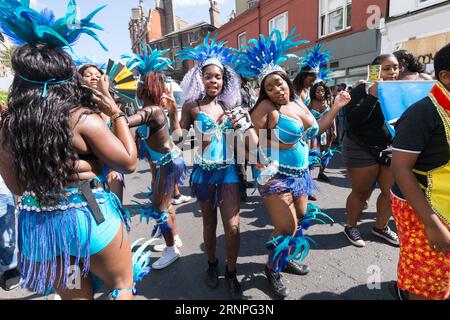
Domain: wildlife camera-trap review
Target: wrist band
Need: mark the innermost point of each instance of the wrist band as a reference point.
(118, 115)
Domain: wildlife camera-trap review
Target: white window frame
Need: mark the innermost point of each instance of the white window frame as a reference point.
(426, 3)
(251, 3)
(284, 15)
(239, 40)
(345, 26)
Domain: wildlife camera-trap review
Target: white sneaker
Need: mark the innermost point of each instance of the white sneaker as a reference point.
(181, 199)
(161, 247)
(170, 254)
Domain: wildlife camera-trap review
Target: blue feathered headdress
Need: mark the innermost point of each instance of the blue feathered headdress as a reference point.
(266, 54)
(82, 61)
(23, 24)
(208, 53)
(316, 60)
(150, 60)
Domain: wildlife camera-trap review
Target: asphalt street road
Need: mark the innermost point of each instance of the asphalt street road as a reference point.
(339, 271)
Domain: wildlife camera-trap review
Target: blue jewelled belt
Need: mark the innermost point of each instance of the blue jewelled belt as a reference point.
(292, 171)
(211, 165)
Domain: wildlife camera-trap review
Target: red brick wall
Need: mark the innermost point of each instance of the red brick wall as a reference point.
(303, 14)
(155, 25)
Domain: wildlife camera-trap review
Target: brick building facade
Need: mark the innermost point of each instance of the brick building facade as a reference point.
(350, 27)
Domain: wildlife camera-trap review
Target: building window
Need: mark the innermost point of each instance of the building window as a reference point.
(335, 15)
(242, 40)
(251, 3)
(193, 37)
(175, 42)
(281, 23)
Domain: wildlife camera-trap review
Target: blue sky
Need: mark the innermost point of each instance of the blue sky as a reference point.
(115, 17)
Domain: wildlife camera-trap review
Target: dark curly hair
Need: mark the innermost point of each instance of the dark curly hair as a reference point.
(409, 61)
(38, 128)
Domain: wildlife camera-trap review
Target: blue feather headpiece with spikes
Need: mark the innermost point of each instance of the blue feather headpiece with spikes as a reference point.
(208, 53)
(266, 54)
(316, 60)
(23, 24)
(82, 61)
(150, 60)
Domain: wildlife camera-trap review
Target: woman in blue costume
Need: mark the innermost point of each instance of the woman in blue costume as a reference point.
(319, 107)
(310, 66)
(53, 145)
(211, 89)
(91, 74)
(287, 120)
(156, 145)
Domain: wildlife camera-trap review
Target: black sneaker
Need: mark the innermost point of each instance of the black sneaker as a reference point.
(212, 275)
(386, 234)
(322, 177)
(296, 268)
(354, 236)
(234, 287)
(10, 279)
(398, 293)
(276, 282)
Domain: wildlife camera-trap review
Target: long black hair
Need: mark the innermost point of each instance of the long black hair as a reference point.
(410, 62)
(299, 81)
(263, 94)
(39, 132)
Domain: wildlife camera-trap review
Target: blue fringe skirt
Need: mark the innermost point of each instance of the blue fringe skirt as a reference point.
(171, 169)
(50, 236)
(209, 185)
(299, 185)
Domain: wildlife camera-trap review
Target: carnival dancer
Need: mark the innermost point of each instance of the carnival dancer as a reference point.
(156, 146)
(320, 106)
(288, 120)
(91, 73)
(319, 102)
(53, 148)
(311, 65)
(210, 89)
(421, 193)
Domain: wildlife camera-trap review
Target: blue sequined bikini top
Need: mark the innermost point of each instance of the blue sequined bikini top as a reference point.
(205, 124)
(289, 130)
(319, 115)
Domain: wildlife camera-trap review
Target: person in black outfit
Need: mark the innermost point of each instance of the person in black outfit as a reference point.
(367, 136)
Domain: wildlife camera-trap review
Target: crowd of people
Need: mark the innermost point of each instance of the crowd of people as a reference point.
(66, 146)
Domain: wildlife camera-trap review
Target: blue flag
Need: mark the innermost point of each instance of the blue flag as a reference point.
(397, 96)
